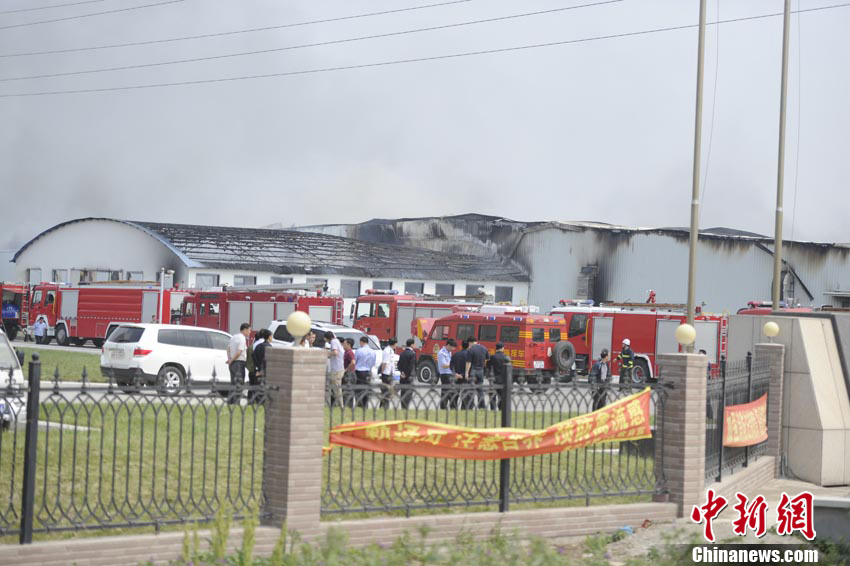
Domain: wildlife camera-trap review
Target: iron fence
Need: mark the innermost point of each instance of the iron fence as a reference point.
(79, 456)
(360, 482)
(733, 383)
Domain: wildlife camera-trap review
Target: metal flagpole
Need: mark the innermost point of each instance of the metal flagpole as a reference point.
(780, 175)
(692, 250)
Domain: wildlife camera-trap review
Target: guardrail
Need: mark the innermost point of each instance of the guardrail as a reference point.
(80, 456)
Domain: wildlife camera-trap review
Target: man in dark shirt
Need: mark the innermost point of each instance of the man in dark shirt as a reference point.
(262, 342)
(459, 369)
(406, 369)
(348, 378)
(499, 363)
(476, 359)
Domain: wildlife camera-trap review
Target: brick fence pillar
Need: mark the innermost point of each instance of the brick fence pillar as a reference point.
(776, 354)
(683, 434)
(292, 454)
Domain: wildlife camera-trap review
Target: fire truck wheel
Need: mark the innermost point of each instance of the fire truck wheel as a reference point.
(170, 380)
(426, 372)
(78, 341)
(61, 336)
(640, 373)
(564, 356)
(98, 342)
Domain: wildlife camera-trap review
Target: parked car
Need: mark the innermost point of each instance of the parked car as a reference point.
(164, 355)
(12, 385)
(281, 337)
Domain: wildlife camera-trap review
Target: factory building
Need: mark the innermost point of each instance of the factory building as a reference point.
(588, 260)
(103, 249)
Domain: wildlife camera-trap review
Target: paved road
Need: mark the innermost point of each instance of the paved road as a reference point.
(88, 349)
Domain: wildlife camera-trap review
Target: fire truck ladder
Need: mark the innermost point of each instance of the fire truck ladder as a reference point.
(647, 306)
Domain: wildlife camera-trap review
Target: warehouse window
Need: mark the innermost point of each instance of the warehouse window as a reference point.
(76, 276)
(444, 289)
(100, 275)
(474, 289)
(382, 285)
(281, 280)
(60, 276)
(412, 288)
(204, 280)
(350, 288)
(242, 280)
(33, 276)
(135, 275)
(504, 294)
(324, 282)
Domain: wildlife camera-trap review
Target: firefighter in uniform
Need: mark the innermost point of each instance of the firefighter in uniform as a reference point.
(627, 361)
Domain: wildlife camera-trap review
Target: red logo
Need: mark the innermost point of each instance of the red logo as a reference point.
(712, 508)
(752, 517)
(796, 515)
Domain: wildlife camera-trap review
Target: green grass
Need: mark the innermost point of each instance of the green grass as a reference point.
(136, 462)
(70, 364)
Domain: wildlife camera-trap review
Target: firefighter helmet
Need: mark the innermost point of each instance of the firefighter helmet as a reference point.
(627, 342)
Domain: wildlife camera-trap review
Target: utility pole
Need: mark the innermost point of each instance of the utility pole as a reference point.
(694, 236)
(780, 169)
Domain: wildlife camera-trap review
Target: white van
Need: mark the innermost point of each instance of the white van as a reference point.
(12, 395)
(164, 354)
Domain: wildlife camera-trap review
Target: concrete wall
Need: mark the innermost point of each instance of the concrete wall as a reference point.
(816, 412)
(98, 245)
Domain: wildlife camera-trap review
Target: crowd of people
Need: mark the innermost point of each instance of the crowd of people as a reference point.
(461, 372)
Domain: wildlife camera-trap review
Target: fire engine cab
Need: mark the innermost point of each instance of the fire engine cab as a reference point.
(226, 309)
(387, 314)
(13, 299)
(649, 327)
(77, 313)
(534, 342)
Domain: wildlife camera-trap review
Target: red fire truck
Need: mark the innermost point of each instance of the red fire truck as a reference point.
(649, 327)
(534, 342)
(258, 305)
(76, 313)
(13, 301)
(765, 307)
(387, 314)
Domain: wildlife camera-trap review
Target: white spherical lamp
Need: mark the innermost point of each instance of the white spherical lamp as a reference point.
(686, 334)
(298, 324)
(771, 329)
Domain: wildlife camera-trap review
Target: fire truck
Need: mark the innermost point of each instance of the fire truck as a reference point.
(13, 301)
(226, 309)
(387, 314)
(650, 328)
(534, 342)
(766, 307)
(76, 313)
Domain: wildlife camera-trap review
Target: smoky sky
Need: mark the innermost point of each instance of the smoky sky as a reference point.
(600, 130)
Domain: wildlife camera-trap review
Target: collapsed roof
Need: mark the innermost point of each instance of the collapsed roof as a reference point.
(296, 252)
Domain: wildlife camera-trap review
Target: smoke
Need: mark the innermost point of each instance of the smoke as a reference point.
(601, 130)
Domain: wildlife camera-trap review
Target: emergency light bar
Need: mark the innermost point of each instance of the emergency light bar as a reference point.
(382, 291)
(576, 302)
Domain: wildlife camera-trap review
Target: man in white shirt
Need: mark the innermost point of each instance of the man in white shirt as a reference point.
(335, 367)
(387, 372)
(364, 361)
(237, 355)
(38, 330)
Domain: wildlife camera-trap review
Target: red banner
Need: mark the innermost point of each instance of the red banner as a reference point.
(626, 419)
(745, 425)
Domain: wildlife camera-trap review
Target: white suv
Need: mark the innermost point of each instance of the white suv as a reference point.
(12, 401)
(164, 354)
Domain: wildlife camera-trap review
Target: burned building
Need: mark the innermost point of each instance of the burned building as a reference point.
(103, 249)
(592, 260)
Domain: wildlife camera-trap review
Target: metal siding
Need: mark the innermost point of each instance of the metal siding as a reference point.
(283, 310)
(69, 304)
(150, 304)
(404, 318)
(321, 314)
(262, 313)
(603, 332)
(237, 313)
(665, 338)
